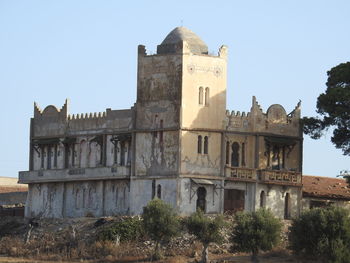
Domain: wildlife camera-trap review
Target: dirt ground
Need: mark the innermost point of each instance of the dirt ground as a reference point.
(177, 259)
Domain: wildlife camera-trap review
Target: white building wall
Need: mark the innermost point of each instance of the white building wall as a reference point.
(275, 199)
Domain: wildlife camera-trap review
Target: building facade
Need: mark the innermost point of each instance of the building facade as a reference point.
(177, 143)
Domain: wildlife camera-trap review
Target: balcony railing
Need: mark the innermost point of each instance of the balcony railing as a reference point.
(266, 176)
(240, 173)
(280, 177)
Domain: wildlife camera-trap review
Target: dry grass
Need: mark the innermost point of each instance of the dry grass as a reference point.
(50, 247)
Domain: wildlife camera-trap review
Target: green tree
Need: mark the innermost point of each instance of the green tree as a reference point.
(254, 231)
(160, 223)
(333, 108)
(322, 234)
(206, 230)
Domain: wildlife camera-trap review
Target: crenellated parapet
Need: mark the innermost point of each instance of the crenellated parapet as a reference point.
(237, 120)
(274, 121)
(57, 122)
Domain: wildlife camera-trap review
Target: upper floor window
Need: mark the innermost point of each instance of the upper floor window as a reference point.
(227, 152)
(243, 155)
(200, 96)
(206, 96)
(206, 142)
(235, 154)
(199, 144)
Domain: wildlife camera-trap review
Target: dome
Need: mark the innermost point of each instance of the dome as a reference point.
(196, 45)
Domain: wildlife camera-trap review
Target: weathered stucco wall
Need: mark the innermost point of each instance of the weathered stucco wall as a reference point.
(275, 198)
(78, 199)
(208, 73)
(188, 197)
(202, 163)
(143, 189)
(156, 153)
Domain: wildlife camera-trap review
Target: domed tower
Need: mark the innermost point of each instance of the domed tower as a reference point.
(181, 104)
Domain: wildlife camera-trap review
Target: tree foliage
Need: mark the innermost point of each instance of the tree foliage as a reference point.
(333, 106)
(160, 222)
(129, 229)
(322, 234)
(254, 231)
(206, 230)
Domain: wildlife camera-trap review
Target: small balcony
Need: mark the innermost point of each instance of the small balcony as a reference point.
(280, 177)
(240, 174)
(74, 174)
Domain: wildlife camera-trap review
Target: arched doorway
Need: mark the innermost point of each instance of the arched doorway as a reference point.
(287, 206)
(201, 198)
(262, 199)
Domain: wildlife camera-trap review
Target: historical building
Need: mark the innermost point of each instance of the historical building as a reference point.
(177, 143)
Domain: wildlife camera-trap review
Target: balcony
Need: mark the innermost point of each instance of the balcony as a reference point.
(240, 174)
(74, 174)
(280, 177)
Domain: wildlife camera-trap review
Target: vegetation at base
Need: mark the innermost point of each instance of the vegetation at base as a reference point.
(160, 223)
(254, 231)
(206, 230)
(129, 229)
(322, 234)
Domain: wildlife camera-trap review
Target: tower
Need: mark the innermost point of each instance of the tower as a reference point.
(181, 103)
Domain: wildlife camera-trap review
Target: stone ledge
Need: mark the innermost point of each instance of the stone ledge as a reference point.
(74, 174)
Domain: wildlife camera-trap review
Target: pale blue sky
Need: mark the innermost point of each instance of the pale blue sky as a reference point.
(279, 51)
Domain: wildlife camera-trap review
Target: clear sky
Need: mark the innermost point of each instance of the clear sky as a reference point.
(86, 51)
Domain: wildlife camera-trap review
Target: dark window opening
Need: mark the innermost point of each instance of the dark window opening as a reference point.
(153, 188)
(42, 157)
(122, 153)
(262, 199)
(243, 155)
(201, 199)
(235, 155)
(159, 191)
(287, 206)
(73, 155)
(115, 152)
(161, 132)
(233, 200)
(199, 144)
(55, 156)
(227, 152)
(206, 142)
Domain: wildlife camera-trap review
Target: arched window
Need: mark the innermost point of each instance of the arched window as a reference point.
(243, 155)
(235, 155)
(227, 152)
(153, 188)
(42, 157)
(206, 96)
(200, 96)
(159, 191)
(199, 144)
(262, 199)
(206, 142)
